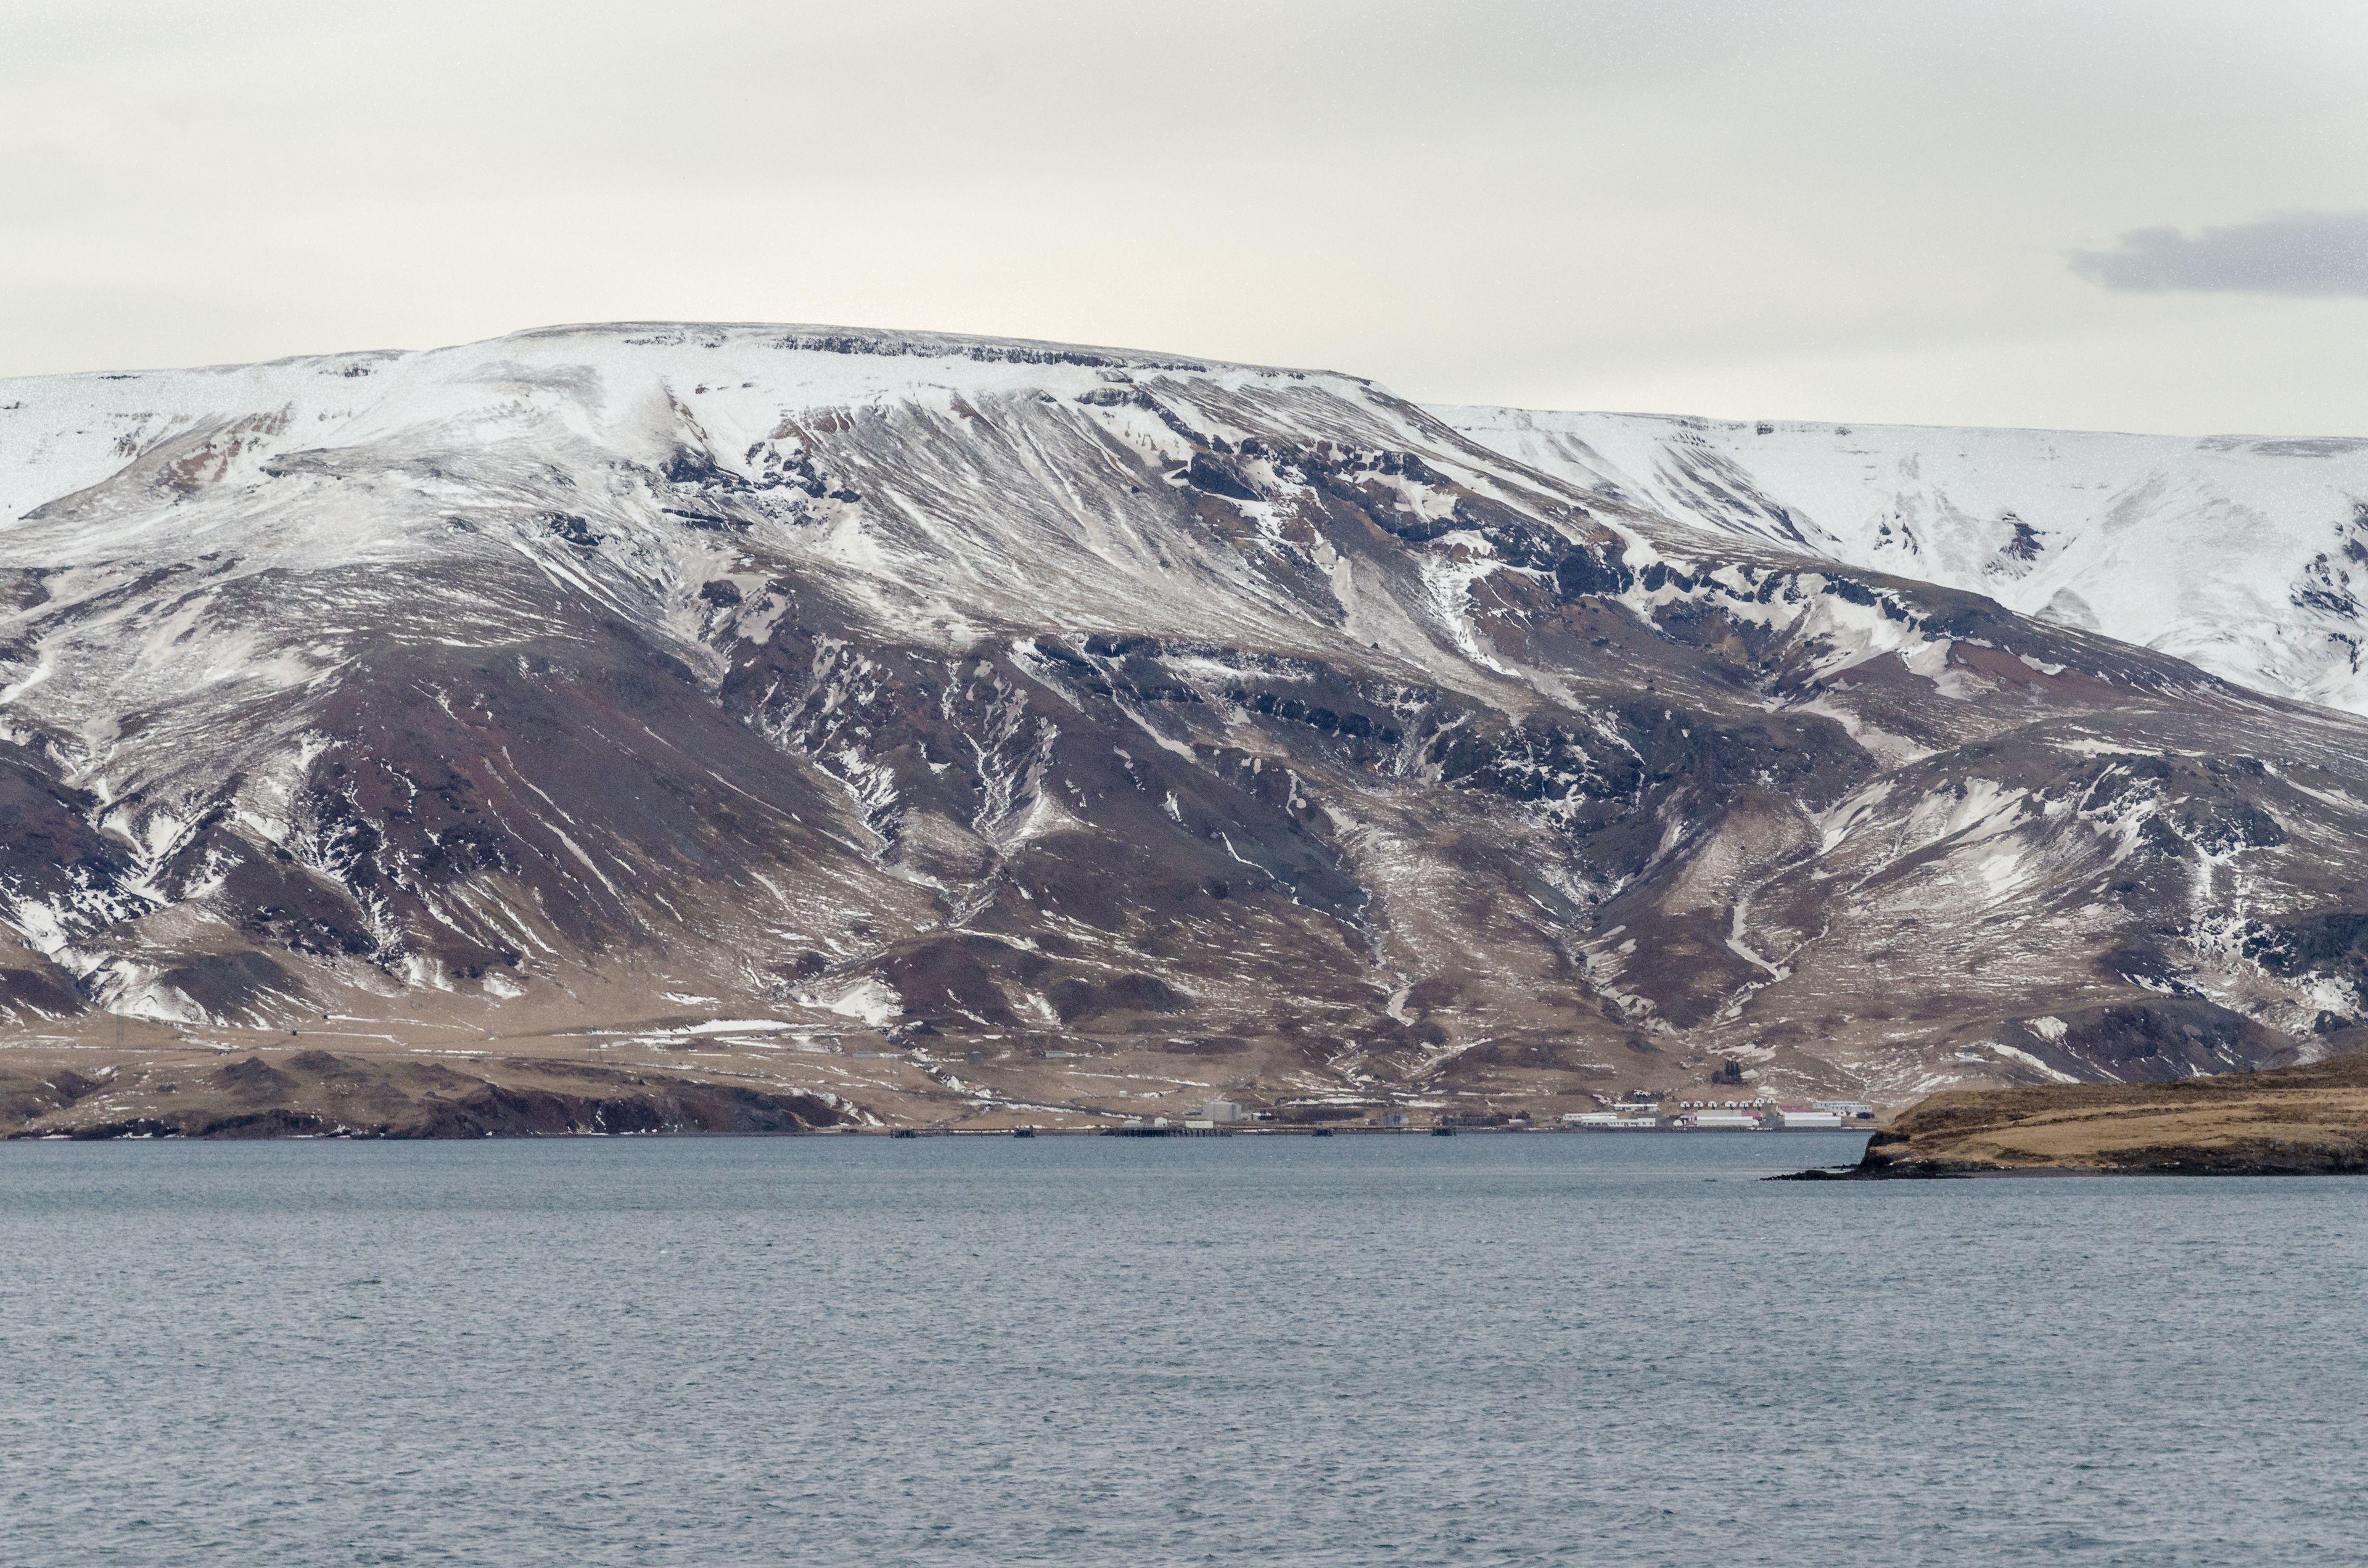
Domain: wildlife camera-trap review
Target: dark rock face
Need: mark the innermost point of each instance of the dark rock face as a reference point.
(923, 687)
(2333, 942)
(317, 1094)
(2161, 1037)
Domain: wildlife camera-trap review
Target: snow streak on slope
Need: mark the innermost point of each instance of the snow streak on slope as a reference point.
(2246, 555)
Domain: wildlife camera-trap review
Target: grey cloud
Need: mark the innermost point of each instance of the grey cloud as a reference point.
(2289, 253)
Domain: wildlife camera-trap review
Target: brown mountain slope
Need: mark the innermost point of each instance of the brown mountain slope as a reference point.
(981, 730)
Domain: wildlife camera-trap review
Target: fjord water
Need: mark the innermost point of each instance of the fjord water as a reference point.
(1608, 1348)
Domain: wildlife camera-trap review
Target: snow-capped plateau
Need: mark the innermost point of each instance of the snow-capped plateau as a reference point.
(943, 727)
(2245, 555)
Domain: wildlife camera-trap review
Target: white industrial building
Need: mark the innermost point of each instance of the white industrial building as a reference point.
(1801, 1115)
(1722, 1120)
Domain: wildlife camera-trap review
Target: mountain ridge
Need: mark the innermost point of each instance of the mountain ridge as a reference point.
(2247, 555)
(795, 703)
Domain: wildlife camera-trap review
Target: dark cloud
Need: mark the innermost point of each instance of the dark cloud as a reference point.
(2291, 253)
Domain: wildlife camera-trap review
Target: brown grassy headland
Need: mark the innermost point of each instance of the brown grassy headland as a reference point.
(2307, 1121)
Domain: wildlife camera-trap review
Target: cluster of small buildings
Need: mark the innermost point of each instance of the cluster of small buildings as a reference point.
(1207, 1119)
(1631, 1115)
(1759, 1115)
(1726, 1115)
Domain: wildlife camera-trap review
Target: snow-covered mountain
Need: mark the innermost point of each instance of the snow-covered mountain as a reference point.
(937, 722)
(2245, 555)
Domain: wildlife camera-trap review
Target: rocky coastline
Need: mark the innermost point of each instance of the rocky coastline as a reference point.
(2302, 1120)
(317, 1094)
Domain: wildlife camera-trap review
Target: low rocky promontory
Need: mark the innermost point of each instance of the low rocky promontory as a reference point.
(320, 1093)
(2307, 1120)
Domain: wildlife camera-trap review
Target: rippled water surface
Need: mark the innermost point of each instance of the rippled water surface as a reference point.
(1608, 1348)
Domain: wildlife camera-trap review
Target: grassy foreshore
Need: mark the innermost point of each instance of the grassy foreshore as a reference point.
(2309, 1120)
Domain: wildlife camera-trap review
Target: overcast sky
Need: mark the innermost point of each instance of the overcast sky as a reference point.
(2079, 213)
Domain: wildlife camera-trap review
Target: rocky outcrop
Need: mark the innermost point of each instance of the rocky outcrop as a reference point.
(2309, 1121)
(317, 1094)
